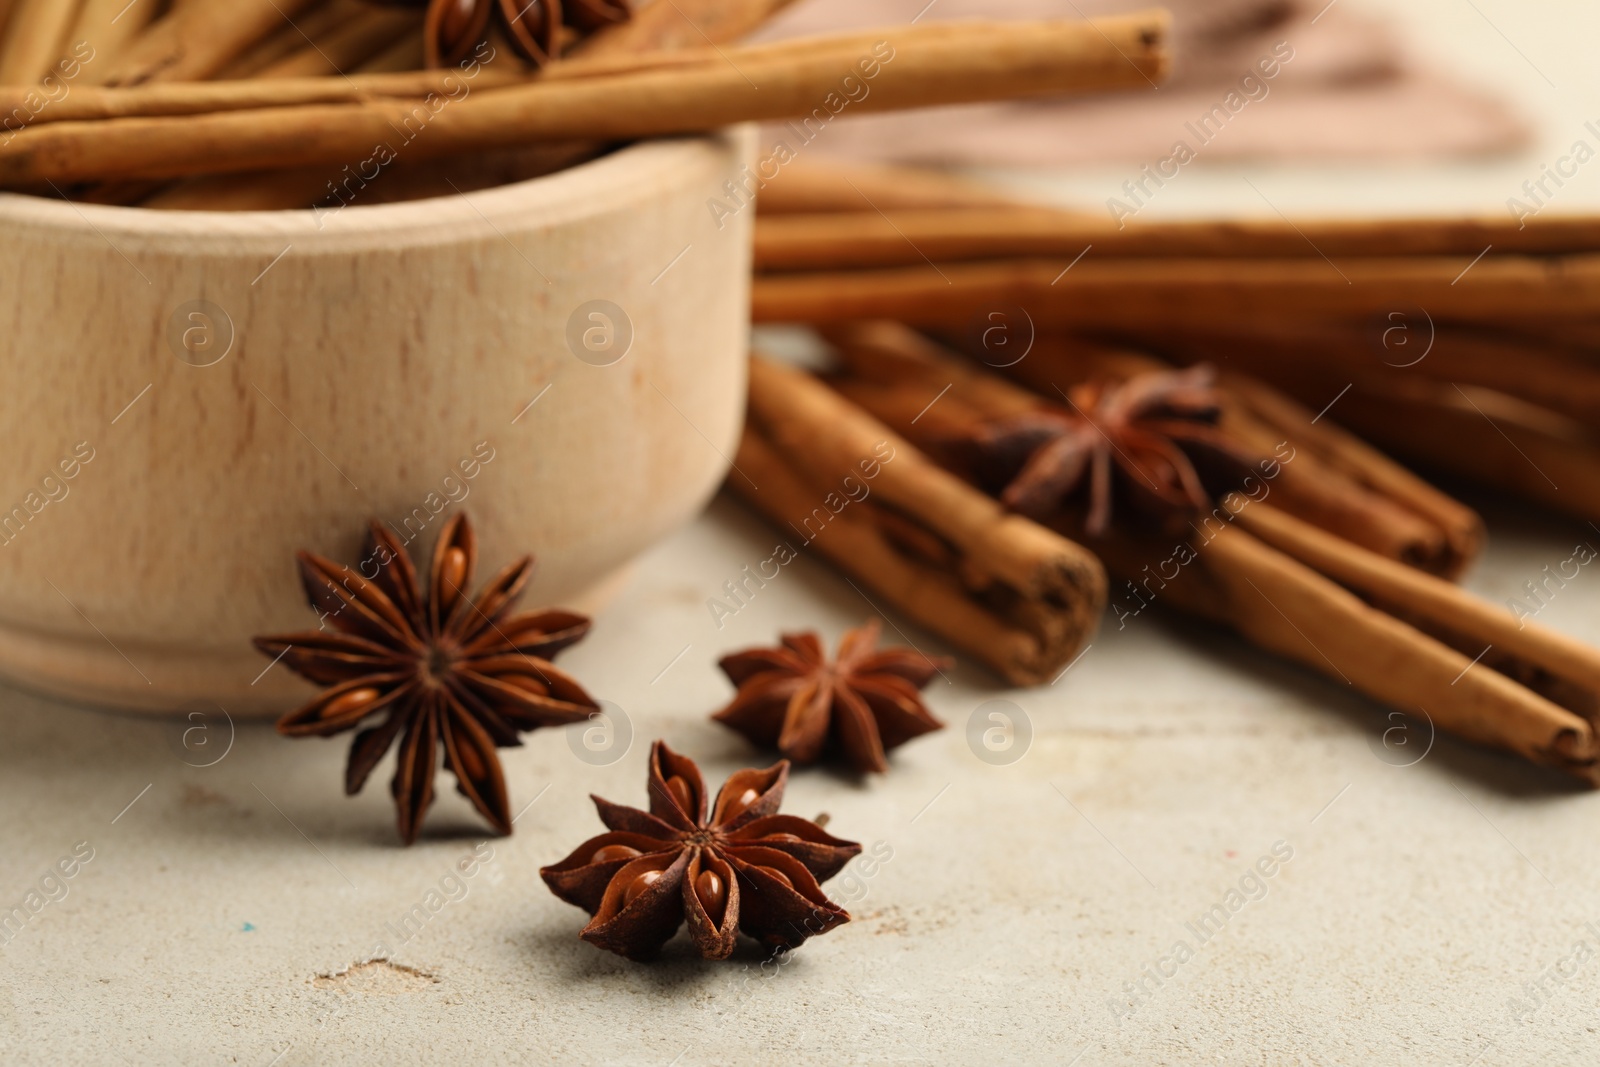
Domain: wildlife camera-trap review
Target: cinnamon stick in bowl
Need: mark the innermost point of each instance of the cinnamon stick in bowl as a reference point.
(1020, 598)
(912, 67)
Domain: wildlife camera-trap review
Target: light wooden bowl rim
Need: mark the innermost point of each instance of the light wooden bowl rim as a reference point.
(594, 187)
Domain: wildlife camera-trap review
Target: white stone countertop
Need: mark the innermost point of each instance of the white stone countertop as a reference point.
(1438, 912)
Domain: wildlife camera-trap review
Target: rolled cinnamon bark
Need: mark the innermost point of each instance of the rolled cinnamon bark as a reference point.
(674, 25)
(199, 38)
(1283, 605)
(835, 236)
(1484, 435)
(1021, 598)
(1562, 668)
(606, 53)
(33, 40)
(315, 24)
(1287, 587)
(1173, 293)
(1555, 376)
(165, 99)
(1335, 482)
(109, 26)
(806, 185)
(1487, 437)
(1460, 526)
(347, 45)
(408, 53)
(1332, 480)
(912, 68)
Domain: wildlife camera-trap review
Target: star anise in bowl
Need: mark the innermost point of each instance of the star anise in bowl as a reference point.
(742, 868)
(857, 708)
(441, 670)
(1152, 438)
(453, 28)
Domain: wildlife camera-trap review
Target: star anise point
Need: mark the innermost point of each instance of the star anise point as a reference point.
(452, 677)
(859, 706)
(743, 867)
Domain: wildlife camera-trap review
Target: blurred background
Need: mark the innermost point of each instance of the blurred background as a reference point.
(1433, 106)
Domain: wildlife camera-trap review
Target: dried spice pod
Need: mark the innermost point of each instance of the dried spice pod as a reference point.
(534, 27)
(743, 867)
(590, 15)
(444, 670)
(1156, 431)
(453, 28)
(856, 708)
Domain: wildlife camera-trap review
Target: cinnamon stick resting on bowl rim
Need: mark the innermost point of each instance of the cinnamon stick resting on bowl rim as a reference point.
(911, 66)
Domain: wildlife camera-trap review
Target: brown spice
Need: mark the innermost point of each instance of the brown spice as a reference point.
(856, 708)
(451, 672)
(744, 868)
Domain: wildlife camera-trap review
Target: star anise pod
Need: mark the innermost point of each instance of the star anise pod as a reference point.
(858, 707)
(1156, 432)
(745, 868)
(442, 670)
(453, 28)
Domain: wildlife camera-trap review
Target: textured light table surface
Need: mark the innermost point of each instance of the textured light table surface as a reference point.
(219, 909)
(1433, 913)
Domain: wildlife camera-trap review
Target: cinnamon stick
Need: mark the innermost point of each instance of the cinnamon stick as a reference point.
(1330, 479)
(408, 53)
(1174, 293)
(33, 40)
(838, 235)
(166, 99)
(1555, 376)
(675, 25)
(87, 103)
(1283, 605)
(314, 24)
(1335, 481)
(606, 53)
(199, 38)
(347, 45)
(807, 185)
(1282, 584)
(1482, 434)
(1563, 668)
(109, 26)
(913, 68)
(1020, 598)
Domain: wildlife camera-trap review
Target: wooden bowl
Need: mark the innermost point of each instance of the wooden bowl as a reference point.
(189, 398)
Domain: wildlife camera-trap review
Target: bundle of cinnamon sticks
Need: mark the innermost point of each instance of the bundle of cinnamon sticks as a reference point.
(278, 96)
(1324, 559)
(1469, 345)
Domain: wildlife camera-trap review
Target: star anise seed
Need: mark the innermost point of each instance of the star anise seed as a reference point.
(857, 708)
(744, 868)
(444, 671)
(1154, 435)
(453, 28)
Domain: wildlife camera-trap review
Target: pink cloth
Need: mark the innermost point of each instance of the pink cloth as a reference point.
(1349, 92)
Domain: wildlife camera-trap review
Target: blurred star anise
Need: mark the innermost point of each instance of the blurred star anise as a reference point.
(858, 707)
(453, 28)
(1157, 431)
(451, 672)
(745, 868)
